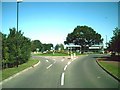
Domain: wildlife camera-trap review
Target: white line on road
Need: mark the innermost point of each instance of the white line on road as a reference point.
(62, 60)
(98, 77)
(65, 67)
(68, 63)
(54, 62)
(62, 78)
(73, 59)
(49, 66)
(47, 61)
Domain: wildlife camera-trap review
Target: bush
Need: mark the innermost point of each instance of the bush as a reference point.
(16, 49)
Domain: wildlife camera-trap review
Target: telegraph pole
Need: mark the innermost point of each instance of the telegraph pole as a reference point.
(18, 1)
(106, 41)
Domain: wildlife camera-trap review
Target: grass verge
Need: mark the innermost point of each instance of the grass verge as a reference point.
(51, 54)
(112, 67)
(11, 71)
(56, 54)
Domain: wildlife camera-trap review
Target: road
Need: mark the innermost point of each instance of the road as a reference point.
(63, 72)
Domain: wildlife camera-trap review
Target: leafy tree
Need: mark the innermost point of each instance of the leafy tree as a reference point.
(47, 46)
(83, 36)
(59, 46)
(5, 53)
(16, 48)
(114, 44)
(36, 44)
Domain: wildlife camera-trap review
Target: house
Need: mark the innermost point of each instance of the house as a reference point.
(77, 48)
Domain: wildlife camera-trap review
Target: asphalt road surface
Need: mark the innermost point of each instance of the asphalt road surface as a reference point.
(63, 72)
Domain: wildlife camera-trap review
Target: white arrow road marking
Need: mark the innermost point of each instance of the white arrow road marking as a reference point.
(62, 78)
(49, 66)
(65, 67)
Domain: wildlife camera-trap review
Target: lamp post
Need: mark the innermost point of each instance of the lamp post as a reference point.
(18, 1)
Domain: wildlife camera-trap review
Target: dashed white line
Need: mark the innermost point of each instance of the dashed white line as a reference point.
(68, 63)
(47, 61)
(98, 77)
(73, 59)
(62, 78)
(49, 66)
(54, 62)
(65, 67)
(62, 60)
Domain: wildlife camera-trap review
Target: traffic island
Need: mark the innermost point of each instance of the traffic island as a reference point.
(111, 67)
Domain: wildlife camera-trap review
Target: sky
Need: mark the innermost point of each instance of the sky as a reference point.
(50, 22)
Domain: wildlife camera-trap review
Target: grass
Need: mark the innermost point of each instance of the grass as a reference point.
(51, 54)
(11, 71)
(55, 54)
(112, 67)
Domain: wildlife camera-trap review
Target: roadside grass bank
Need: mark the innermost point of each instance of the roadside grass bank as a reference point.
(112, 67)
(11, 71)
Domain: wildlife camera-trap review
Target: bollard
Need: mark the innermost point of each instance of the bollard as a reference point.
(74, 55)
(71, 56)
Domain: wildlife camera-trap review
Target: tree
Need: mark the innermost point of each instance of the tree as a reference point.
(16, 48)
(59, 47)
(36, 44)
(114, 44)
(47, 46)
(4, 49)
(83, 36)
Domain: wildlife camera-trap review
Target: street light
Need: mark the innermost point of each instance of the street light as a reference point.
(18, 1)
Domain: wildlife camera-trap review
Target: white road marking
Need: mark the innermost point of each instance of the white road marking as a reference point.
(49, 66)
(73, 59)
(47, 61)
(62, 60)
(98, 77)
(65, 67)
(46, 57)
(62, 78)
(68, 63)
(54, 62)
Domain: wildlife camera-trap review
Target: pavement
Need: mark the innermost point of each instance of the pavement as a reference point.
(63, 72)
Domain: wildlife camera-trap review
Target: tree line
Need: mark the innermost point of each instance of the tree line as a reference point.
(36, 44)
(16, 48)
(84, 36)
(114, 43)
